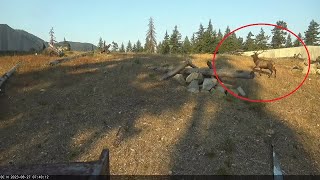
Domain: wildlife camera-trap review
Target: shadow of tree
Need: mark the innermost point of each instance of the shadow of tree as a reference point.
(229, 136)
(56, 115)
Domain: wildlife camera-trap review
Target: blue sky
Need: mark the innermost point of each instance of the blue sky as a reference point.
(123, 20)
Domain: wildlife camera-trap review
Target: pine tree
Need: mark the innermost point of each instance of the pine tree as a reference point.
(288, 41)
(279, 35)
(52, 37)
(209, 39)
(100, 43)
(193, 43)
(115, 46)
(175, 41)
(151, 42)
(129, 47)
(249, 45)
(297, 43)
(164, 48)
(231, 43)
(240, 43)
(312, 34)
(122, 49)
(159, 47)
(186, 48)
(134, 48)
(139, 46)
(218, 38)
(199, 41)
(261, 41)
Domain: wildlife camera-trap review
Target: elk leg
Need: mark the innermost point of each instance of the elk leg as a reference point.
(270, 73)
(260, 71)
(275, 72)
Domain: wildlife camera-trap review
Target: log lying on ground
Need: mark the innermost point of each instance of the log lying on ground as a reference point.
(55, 62)
(220, 73)
(177, 70)
(6, 76)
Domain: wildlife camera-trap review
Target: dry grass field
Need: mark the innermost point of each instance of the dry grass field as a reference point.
(70, 112)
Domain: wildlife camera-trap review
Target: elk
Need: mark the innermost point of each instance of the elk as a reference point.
(264, 64)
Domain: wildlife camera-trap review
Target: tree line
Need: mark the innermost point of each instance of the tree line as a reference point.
(207, 38)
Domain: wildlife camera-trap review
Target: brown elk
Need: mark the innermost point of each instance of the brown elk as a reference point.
(264, 64)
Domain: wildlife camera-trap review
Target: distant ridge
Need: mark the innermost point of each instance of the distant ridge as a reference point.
(15, 40)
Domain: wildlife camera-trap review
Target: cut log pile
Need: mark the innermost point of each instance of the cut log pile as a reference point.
(55, 62)
(203, 79)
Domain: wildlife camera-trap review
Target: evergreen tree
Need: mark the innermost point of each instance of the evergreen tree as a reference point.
(139, 46)
(218, 38)
(240, 43)
(159, 48)
(231, 43)
(297, 43)
(115, 46)
(186, 48)
(175, 41)
(52, 37)
(165, 49)
(249, 45)
(151, 43)
(312, 34)
(129, 47)
(134, 48)
(193, 43)
(100, 43)
(208, 39)
(261, 41)
(122, 49)
(279, 35)
(66, 44)
(199, 46)
(288, 41)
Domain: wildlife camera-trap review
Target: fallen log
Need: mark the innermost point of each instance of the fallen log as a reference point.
(7, 75)
(99, 167)
(220, 73)
(58, 61)
(178, 69)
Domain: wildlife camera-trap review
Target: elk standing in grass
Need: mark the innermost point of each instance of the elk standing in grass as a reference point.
(264, 64)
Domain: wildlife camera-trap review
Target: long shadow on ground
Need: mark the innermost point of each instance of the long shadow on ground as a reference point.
(229, 136)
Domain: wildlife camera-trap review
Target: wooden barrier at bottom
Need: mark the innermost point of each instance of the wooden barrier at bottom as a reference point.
(99, 167)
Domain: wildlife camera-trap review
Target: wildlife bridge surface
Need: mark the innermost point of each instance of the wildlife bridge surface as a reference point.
(314, 52)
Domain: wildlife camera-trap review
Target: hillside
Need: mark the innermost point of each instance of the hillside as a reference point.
(79, 46)
(18, 40)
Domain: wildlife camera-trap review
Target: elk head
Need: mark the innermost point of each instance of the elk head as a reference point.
(256, 54)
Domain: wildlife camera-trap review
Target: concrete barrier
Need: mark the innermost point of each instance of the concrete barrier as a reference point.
(314, 52)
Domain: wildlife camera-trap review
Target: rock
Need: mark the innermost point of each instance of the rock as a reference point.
(235, 91)
(220, 89)
(313, 69)
(318, 71)
(296, 70)
(194, 86)
(180, 79)
(209, 83)
(241, 91)
(42, 90)
(195, 76)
